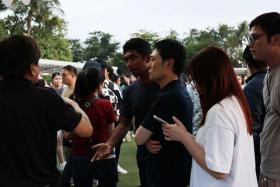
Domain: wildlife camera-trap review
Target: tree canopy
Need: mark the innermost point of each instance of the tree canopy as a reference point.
(43, 20)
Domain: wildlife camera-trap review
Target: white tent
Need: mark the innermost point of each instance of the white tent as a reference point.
(50, 66)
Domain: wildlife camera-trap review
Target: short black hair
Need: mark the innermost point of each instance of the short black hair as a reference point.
(17, 53)
(269, 23)
(169, 48)
(71, 69)
(140, 45)
(252, 63)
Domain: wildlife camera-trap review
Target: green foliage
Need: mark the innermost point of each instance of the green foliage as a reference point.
(77, 50)
(151, 37)
(172, 35)
(47, 78)
(39, 20)
(232, 40)
(100, 45)
(3, 31)
(2, 7)
(55, 47)
(117, 60)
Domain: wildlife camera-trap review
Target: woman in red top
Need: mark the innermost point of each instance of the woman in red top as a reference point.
(101, 114)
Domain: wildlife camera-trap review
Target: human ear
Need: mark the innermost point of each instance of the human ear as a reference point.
(275, 39)
(170, 63)
(33, 69)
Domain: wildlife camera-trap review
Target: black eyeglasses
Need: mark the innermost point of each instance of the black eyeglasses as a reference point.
(254, 37)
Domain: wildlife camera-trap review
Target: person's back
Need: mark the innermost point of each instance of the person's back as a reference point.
(30, 117)
(28, 138)
(227, 115)
(101, 114)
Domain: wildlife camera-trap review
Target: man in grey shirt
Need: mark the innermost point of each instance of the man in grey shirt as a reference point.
(265, 46)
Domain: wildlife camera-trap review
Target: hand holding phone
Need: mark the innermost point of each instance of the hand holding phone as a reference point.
(160, 120)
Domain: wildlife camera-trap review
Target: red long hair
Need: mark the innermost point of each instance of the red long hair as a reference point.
(215, 78)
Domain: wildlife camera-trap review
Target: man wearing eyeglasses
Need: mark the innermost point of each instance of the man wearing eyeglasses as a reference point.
(265, 46)
(69, 76)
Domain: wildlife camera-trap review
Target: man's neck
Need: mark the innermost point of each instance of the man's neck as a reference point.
(162, 83)
(145, 78)
(31, 78)
(72, 83)
(274, 61)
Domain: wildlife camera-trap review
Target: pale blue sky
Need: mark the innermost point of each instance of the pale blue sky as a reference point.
(123, 17)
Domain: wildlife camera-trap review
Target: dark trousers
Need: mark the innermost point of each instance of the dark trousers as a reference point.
(141, 158)
(267, 182)
(118, 150)
(67, 173)
(53, 185)
(84, 171)
(257, 154)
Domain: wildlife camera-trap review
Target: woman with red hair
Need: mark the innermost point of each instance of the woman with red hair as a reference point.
(223, 149)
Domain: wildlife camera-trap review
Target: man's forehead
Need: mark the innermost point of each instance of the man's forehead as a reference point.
(256, 28)
(130, 53)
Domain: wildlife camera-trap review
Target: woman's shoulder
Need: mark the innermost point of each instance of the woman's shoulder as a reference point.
(224, 113)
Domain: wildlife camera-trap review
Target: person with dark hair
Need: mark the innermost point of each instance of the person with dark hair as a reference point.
(253, 92)
(112, 93)
(137, 100)
(69, 76)
(101, 114)
(31, 117)
(108, 86)
(223, 149)
(172, 165)
(90, 64)
(57, 83)
(265, 46)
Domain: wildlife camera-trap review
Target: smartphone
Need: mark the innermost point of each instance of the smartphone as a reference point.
(160, 120)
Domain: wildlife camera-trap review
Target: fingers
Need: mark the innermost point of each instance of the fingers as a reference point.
(95, 147)
(99, 156)
(167, 138)
(103, 150)
(95, 157)
(154, 142)
(153, 146)
(177, 122)
(154, 149)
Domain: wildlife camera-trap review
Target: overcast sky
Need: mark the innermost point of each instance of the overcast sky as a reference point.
(123, 17)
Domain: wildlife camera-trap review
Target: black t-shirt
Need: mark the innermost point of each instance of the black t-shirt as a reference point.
(172, 165)
(29, 119)
(137, 100)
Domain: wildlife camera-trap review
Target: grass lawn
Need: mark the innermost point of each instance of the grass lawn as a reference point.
(128, 162)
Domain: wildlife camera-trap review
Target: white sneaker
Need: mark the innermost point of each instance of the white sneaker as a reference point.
(121, 170)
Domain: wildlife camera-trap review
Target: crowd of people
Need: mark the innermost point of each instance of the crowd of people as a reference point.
(204, 129)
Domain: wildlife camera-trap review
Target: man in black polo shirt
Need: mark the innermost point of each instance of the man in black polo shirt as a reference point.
(137, 100)
(171, 166)
(30, 117)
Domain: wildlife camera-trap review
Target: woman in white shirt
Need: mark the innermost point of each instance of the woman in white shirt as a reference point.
(223, 149)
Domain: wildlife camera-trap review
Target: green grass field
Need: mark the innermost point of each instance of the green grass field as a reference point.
(128, 162)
